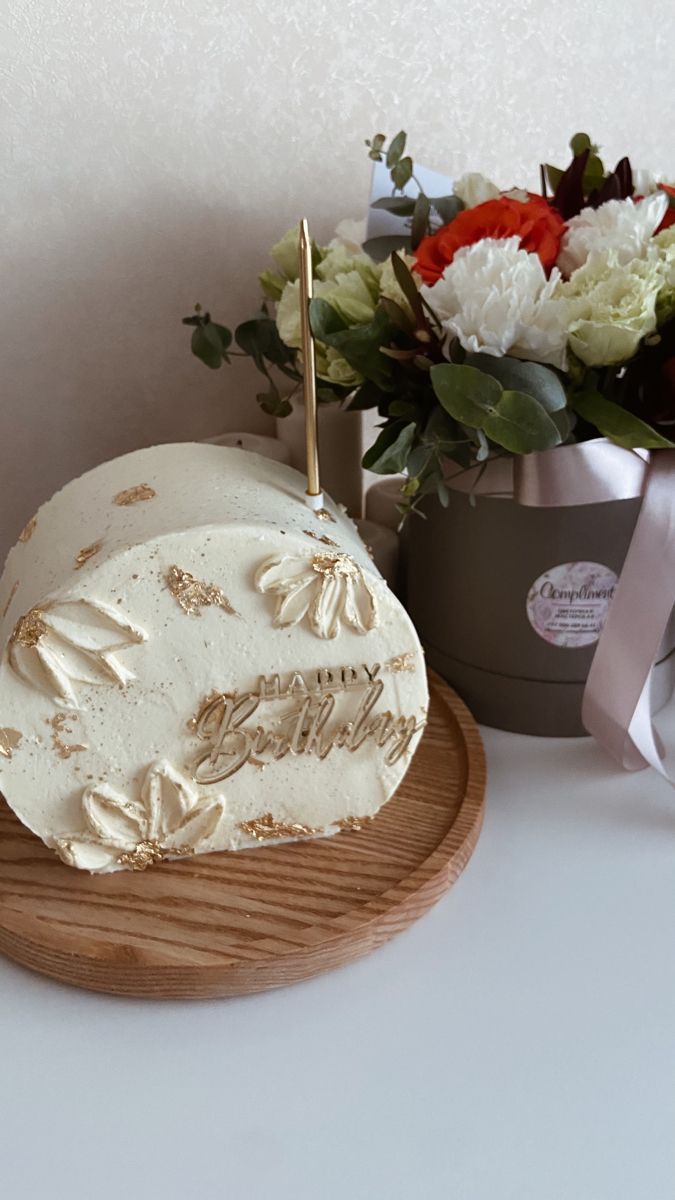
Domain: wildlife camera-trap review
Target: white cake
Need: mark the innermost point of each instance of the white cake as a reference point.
(194, 661)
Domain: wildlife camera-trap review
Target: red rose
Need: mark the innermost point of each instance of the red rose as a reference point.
(538, 226)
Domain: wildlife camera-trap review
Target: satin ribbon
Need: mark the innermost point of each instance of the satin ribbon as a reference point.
(616, 705)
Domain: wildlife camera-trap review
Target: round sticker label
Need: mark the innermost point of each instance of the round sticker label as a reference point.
(568, 605)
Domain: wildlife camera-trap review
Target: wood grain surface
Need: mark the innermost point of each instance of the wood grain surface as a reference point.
(227, 924)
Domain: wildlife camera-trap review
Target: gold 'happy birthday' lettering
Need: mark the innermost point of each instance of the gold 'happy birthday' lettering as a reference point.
(312, 725)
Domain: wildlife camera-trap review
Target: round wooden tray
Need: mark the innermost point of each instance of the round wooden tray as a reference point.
(226, 924)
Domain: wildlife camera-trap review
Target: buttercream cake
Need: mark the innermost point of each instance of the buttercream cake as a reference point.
(195, 661)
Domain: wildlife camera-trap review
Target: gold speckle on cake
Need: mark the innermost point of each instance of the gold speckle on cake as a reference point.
(29, 629)
(134, 495)
(145, 855)
(334, 565)
(59, 728)
(323, 515)
(401, 662)
(11, 596)
(85, 554)
(9, 741)
(265, 827)
(320, 537)
(193, 595)
(355, 823)
(28, 530)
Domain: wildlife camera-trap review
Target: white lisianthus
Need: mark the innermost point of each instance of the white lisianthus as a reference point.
(497, 300)
(611, 307)
(473, 188)
(351, 234)
(621, 226)
(663, 251)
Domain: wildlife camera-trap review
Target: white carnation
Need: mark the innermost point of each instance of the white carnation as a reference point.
(623, 227)
(474, 188)
(497, 300)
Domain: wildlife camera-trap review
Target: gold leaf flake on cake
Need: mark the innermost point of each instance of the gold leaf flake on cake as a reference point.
(11, 596)
(134, 495)
(28, 530)
(60, 726)
(10, 739)
(169, 819)
(401, 662)
(320, 537)
(328, 589)
(264, 828)
(354, 823)
(64, 642)
(193, 595)
(324, 515)
(88, 552)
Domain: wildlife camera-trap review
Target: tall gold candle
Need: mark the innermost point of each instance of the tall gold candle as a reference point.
(314, 494)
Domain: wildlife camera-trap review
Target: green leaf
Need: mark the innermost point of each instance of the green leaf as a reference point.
(554, 175)
(274, 404)
(224, 334)
(396, 315)
(447, 207)
(618, 424)
(580, 142)
(382, 248)
(396, 148)
(510, 418)
(408, 286)
(401, 173)
(389, 454)
(520, 424)
(466, 393)
(420, 221)
(260, 339)
(366, 396)
(534, 378)
(399, 206)
(206, 345)
(360, 345)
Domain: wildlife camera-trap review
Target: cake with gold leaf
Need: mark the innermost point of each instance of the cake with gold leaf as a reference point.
(195, 661)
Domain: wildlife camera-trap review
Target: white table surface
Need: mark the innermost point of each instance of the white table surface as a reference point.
(518, 1043)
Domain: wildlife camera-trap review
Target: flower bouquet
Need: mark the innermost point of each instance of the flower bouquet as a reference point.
(519, 346)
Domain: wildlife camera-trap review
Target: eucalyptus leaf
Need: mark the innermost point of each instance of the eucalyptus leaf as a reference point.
(447, 207)
(420, 221)
(274, 404)
(401, 173)
(396, 148)
(534, 378)
(520, 424)
(389, 454)
(399, 206)
(617, 424)
(206, 345)
(466, 393)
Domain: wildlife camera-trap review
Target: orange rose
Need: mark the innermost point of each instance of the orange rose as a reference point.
(538, 226)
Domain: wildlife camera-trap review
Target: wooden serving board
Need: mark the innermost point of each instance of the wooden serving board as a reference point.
(226, 924)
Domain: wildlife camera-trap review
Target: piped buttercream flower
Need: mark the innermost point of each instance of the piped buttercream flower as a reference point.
(328, 589)
(64, 642)
(169, 820)
(495, 298)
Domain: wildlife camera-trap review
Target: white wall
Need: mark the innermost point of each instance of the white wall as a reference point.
(150, 153)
